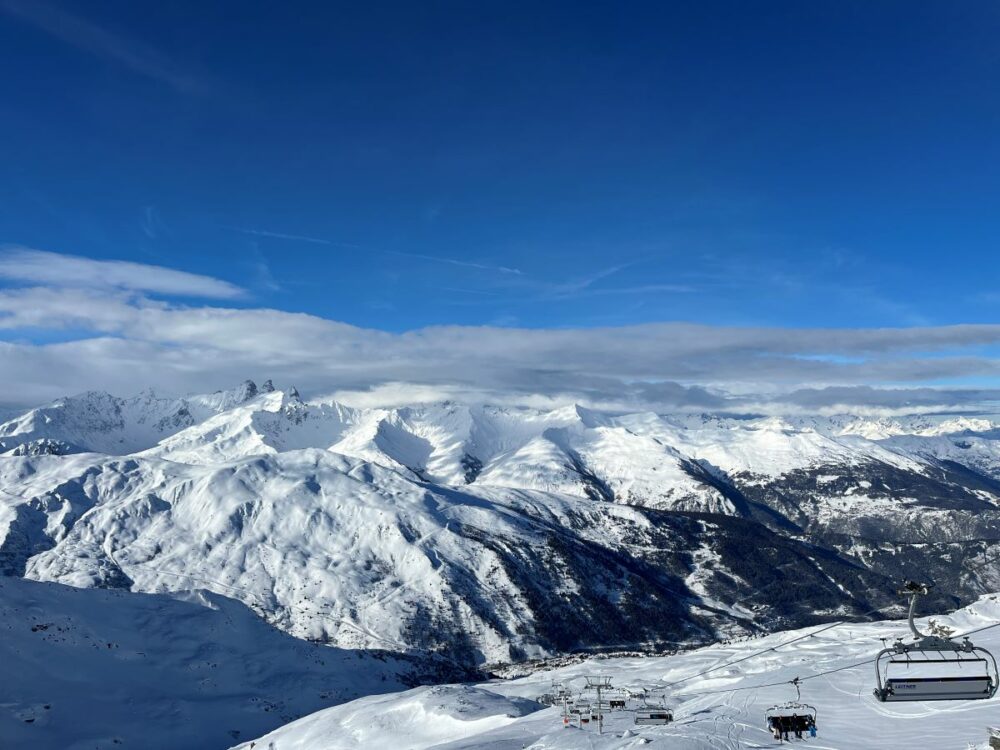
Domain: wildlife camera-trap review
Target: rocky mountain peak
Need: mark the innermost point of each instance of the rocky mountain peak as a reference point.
(246, 391)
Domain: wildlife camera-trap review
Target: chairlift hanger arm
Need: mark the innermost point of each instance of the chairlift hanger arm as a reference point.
(914, 591)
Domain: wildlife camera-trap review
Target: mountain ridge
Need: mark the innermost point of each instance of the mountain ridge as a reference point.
(491, 533)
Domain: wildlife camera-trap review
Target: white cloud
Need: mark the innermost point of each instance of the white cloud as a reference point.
(136, 342)
(55, 269)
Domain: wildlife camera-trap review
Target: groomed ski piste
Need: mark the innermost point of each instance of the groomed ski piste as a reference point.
(718, 696)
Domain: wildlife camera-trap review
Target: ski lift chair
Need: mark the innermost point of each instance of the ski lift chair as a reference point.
(792, 709)
(937, 668)
(653, 714)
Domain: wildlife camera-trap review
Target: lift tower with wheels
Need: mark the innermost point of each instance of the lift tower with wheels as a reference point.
(599, 684)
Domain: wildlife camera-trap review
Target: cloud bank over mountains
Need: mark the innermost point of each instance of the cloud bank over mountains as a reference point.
(69, 324)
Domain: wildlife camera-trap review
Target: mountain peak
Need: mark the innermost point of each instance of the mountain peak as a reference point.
(245, 391)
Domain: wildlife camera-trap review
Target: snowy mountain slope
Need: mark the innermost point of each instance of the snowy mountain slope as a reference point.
(103, 669)
(444, 442)
(337, 549)
(495, 533)
(102, 423)
(269, 423)
(605, 462)
(721, 710)
(253, 418)
(921, 426)
(420, 718)
(979, 451)
(637, 459)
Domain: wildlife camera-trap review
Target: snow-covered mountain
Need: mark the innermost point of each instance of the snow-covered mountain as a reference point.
(491, 534)
(99, 422)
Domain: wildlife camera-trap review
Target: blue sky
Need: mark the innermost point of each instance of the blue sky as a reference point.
(831, 164)
(549, 166)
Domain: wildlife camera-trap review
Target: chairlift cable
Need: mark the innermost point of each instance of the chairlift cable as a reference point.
(772, 648)
(817, 674)
(783, 682)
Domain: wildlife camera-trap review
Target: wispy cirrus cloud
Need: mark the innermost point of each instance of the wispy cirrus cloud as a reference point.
(133, 54)
(151, 224)
(293, 237)
(637, 289)
(54, 269)
(461, 263)
(588, 285)
(417, 256)
(582, 284)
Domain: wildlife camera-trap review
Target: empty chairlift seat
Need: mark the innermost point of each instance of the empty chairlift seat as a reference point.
(653, 715)
(935, 669)
(937, 689)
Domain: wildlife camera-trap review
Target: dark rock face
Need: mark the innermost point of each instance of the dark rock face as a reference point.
(246, 391)
(175, 422)
(588, 596)
(44, 447)
(652, 581)
(903, 524)
(472, 467)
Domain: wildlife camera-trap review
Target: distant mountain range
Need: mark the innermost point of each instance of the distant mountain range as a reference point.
(490, 534)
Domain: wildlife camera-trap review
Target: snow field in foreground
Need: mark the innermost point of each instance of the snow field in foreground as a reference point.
(721, 710)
